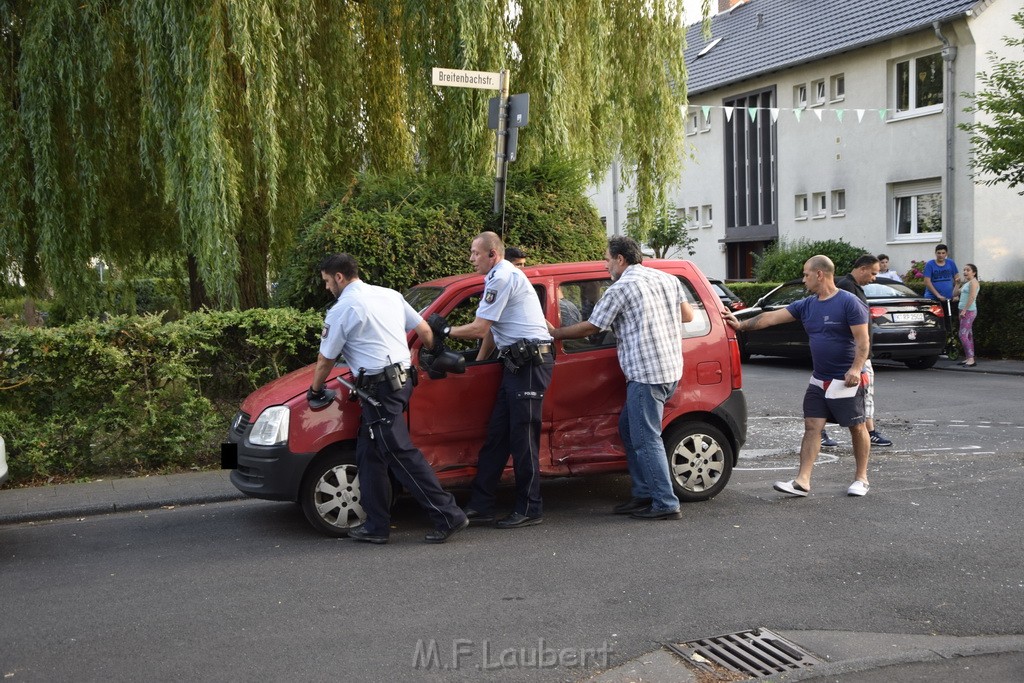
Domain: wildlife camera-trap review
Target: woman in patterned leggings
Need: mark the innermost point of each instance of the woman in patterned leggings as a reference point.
(968, 297)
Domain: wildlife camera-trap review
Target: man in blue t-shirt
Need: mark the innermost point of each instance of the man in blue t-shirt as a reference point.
(940, 278)
(837, 329)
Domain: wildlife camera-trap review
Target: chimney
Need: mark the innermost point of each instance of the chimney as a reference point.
(726, 5)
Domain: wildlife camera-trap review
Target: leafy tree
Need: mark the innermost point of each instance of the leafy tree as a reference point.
(785, 260)
(668, 230)
(205, 128)
(998, 138)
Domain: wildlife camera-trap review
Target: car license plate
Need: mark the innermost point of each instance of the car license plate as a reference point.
(229, 456)
(908, 317)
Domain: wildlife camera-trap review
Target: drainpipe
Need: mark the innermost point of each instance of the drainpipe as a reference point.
(948, 97)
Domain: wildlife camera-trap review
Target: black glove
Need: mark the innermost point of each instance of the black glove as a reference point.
(440, 327)
(320, 399)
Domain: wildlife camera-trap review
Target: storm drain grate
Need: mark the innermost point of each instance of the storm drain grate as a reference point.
(758, 653)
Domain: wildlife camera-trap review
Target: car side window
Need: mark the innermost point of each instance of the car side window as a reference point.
(701, 323)
(576, 301)
(464, 313)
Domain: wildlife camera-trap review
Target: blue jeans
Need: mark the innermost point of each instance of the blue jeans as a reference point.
(640, 429)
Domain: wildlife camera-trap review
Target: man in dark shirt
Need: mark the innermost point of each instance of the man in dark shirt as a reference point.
(865, 269)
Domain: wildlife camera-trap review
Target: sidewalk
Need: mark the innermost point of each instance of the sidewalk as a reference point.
(115, 495)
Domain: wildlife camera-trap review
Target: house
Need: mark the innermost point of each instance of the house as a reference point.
(838, 119)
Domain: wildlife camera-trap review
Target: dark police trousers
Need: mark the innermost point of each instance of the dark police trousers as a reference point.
(514, 428)
(392, 449)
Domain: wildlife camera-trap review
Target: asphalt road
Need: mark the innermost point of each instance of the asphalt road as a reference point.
(247, 591)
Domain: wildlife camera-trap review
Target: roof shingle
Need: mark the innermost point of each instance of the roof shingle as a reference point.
(762, 36)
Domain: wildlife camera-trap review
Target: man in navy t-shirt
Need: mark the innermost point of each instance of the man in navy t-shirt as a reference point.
(837, 329)
(940, 275)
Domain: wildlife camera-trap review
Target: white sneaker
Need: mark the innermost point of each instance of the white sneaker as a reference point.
(858, 488)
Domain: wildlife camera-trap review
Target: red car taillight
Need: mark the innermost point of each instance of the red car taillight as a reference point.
(878, 312)
(734, 360)
(737, 305)
(938, 312)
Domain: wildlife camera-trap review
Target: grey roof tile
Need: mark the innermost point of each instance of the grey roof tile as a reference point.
(763, 36)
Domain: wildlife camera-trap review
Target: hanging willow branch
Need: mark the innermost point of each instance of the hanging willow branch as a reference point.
(205, 128)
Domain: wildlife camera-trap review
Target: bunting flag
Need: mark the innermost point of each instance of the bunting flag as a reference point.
(798, 112)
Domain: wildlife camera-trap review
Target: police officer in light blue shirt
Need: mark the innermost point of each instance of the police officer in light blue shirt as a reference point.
(510, 317)
(368, 325)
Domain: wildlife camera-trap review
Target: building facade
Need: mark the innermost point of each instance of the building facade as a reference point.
(838, 120)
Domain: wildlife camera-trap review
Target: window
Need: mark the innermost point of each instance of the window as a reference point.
(917, 209)
(838, 87)
(705, 211)
(800, 209)
(918, 83)
(838, 202)
(705, 121)
(819, 204)
(750, 166)
(693, 216)
(818, 88)
(691, 122)
(583, 295)
(800, 96)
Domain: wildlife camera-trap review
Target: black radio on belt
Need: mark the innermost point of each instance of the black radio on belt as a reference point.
(395, 375)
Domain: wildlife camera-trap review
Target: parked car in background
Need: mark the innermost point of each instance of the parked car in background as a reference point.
(906, 327)
(280, 449)
(726, 295)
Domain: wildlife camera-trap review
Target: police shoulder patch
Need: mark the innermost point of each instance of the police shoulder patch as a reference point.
(325, 331)
(490, 295)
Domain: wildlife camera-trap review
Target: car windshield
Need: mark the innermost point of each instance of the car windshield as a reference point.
(720, 291)
(785, 295)
(888, 290)
(421, 297)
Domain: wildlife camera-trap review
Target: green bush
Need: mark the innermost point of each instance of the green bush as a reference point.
(165, 296)
(785, 260)
(134, 394)
(408, 229)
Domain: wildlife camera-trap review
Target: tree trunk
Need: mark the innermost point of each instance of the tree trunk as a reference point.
(197, 297)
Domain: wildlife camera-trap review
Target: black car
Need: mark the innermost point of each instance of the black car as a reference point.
(906, 327)
(730, 300)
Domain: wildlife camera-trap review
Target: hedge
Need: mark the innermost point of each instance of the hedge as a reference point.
(134, 394)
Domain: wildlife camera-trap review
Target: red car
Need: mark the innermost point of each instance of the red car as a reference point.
(281, 450)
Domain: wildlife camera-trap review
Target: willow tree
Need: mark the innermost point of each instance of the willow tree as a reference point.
(202, 129)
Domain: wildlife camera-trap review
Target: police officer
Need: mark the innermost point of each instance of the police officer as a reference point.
(368, 325)
(510, 317)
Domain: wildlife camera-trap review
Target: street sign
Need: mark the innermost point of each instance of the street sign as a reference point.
(518, 111)
(458, 78)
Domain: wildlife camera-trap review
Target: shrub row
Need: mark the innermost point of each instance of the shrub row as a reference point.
(133, 394)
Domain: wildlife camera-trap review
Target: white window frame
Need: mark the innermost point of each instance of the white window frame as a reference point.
(705, 213)
(838, 202)
(818, 92)
(912, 108)
(837, 87)
(819, 205)
(692, 122)
(800, 207)
(914, 191)
(800, 96)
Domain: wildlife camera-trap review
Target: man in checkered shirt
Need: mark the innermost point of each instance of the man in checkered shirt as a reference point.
(646, 309)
